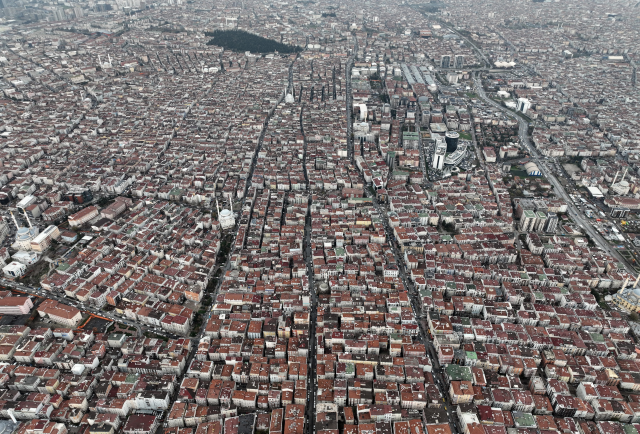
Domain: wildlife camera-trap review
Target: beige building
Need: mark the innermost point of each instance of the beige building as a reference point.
(43, 241)
(60, 313)
(83, 216)
(628, 299)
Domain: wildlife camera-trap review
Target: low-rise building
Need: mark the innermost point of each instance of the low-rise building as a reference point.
(83, 216)
(15, 305)
(60, 313)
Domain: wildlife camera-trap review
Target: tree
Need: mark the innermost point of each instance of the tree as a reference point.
(633, 316)
(241, 41)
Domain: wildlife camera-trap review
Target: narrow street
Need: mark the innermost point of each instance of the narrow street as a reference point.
(313, 309)
(416, 304)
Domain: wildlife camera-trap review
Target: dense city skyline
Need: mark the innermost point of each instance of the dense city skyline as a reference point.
(316, 217)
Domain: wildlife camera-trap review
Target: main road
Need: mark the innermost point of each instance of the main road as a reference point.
(471, 44)
(349, 98)
(575, 213)
(416, 304)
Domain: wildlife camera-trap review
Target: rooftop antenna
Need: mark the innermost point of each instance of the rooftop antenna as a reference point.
(14, 220)
(27, 216)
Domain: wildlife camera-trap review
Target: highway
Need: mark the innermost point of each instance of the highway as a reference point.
(472, 45)
(573, 212)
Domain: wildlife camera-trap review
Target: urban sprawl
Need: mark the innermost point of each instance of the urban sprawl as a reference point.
(318, 217)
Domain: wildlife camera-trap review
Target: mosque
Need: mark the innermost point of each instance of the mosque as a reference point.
(24, 236)
(628, 298)
(225, 217)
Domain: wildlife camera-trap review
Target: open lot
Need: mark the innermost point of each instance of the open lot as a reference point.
(571, 168)
(97, 324)
(14, 319)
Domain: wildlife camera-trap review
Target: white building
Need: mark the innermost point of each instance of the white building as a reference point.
(390, 270)
(78, 369)
(14, 270)
(523, 105)
(150, 400)
(26, 201)
(456, 157)
(24, 236)
(226, 218)
(363, 113)
(621, 188)
(532, 169)
(439, 154)
(527, 220)
(26, 257)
